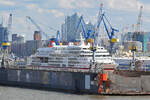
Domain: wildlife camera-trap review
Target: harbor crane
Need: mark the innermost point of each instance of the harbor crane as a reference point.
(6, 43)
(9, 23)
(137, 29)
(139, 22)
(38, 27)
(107, 25)
(57, 39)
(85, 34)
(108, 28)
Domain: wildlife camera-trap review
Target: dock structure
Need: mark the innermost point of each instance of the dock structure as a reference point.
(107, 82)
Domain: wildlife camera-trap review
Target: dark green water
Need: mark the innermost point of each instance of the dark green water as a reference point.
(11, 93)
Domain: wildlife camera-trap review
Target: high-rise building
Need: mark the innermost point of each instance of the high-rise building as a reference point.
(3, 34)
(18, 49)
(64, 33)
(20, 39)
(37, 35)
(14, 37)
(32, 46)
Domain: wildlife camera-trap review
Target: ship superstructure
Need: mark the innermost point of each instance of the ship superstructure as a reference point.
(70, 56)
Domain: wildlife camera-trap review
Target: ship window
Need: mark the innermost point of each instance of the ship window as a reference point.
(102, 55)
(44, 59)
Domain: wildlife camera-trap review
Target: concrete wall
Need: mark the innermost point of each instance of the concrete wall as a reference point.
(74, 81)
(123, 84)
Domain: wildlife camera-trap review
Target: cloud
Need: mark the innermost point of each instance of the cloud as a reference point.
(6, 2)
(56, 13)
(35, 7)
(31, 6)
(124, 5)
(146, 8)
(75, 3)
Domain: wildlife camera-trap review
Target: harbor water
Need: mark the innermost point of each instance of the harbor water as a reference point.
(13, 93)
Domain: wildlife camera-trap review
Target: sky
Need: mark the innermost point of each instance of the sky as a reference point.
(51, 13)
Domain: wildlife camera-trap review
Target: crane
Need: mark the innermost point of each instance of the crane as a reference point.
(57, 34)
(9, 23)
(6, 43)
(137, 30)
(87, 35)
(99, 20)
(38, 27)
(108, 28)
(57, 39)
(139, 22)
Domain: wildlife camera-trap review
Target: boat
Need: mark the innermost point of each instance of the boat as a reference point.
(71, 56)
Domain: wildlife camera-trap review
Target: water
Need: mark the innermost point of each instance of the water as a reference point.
(11, 93)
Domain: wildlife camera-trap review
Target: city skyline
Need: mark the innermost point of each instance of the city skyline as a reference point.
(50, 13)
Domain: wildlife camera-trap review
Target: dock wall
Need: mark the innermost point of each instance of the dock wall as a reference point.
(71, 81)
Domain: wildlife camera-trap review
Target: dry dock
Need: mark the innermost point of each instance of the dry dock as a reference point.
(116, 83)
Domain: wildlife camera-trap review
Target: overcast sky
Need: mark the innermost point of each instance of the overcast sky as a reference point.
(51, 13)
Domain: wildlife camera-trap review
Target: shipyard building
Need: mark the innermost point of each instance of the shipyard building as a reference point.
(140, 37)
(22, 48)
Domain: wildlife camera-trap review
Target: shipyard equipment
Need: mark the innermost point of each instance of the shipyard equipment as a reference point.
(138, 34)
(9, 24)
(6, 43)
(139, 22)
(38, 27)
(87, 35)
(56, 40)
(108, 27)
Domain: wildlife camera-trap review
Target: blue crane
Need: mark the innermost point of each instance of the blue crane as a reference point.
(82, 23)
(108, 28)
(57, 39)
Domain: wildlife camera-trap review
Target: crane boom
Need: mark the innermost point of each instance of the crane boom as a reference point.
(86, 33)
(10, 22)
(81, 21)
(38, 27)
(139, 22)
(108, 28)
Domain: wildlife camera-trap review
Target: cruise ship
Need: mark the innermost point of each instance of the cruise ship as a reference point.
(71, 56)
